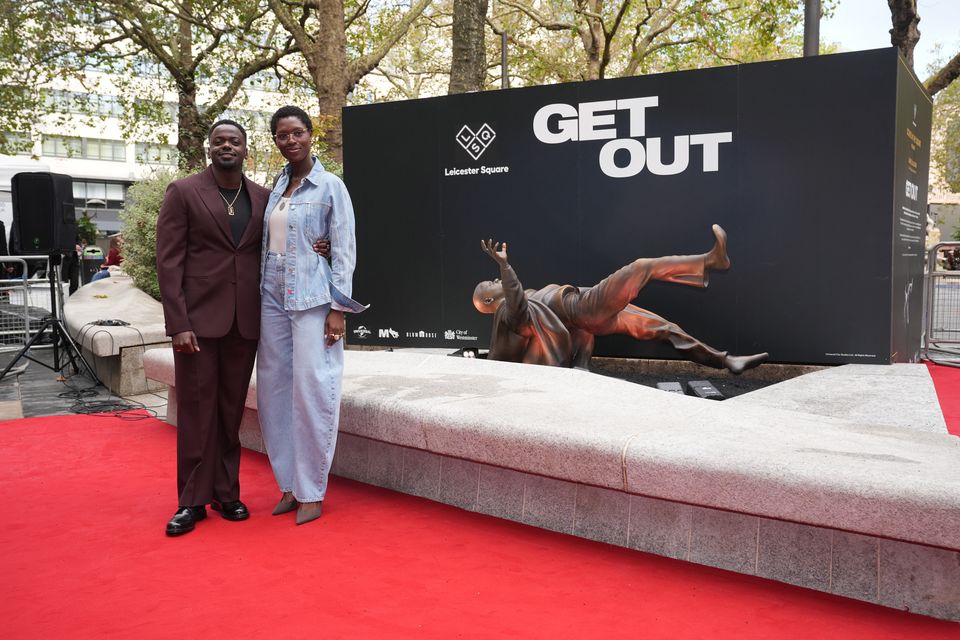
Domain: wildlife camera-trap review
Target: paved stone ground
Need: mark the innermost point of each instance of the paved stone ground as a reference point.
(39, 391)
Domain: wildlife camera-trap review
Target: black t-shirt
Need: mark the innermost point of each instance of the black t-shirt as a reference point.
(242, 211)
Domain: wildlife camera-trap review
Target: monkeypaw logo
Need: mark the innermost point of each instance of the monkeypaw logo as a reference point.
(476, 142)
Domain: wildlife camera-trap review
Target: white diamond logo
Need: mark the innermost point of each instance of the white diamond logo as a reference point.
(476, 142)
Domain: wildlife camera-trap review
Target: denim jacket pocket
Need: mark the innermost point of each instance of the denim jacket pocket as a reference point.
(316, 220)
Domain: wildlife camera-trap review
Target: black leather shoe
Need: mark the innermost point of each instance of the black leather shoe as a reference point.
(235, 510)
(185, 519)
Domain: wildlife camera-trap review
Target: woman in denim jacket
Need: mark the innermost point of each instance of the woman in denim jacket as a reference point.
(300, 356)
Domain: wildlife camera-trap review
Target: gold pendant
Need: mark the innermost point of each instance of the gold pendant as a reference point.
(230, 210)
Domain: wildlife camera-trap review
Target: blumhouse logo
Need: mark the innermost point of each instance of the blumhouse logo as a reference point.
(476, 142)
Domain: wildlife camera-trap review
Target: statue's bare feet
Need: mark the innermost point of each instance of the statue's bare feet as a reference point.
(717, 259)
(738, 364)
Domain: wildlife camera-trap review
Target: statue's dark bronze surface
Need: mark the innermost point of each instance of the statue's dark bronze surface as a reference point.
(556, 325)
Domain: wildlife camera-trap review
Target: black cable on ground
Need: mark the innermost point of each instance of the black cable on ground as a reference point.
(89, 401)
(111, 405)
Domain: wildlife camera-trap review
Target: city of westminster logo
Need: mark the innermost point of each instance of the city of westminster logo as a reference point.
(476, 142)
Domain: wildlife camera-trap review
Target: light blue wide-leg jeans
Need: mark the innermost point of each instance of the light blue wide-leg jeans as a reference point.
(299, 380)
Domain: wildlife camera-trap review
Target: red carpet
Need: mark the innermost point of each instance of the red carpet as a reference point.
(947, 382)
(84, 556)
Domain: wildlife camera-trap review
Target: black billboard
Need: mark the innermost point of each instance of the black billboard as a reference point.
(815, 167)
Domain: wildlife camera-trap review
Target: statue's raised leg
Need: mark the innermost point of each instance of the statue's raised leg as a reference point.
(596, 305)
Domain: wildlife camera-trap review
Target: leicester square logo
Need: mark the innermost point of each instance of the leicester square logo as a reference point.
(476, 142)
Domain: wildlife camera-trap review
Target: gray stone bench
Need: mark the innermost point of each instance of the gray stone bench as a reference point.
(116, 353)
(860, 509)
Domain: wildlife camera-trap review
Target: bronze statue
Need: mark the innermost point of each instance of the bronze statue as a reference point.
(557, 324)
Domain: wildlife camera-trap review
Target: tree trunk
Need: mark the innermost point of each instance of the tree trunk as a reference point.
(904, 34)
(189, 141)
(468, 67)
(191, 130)
(325, 53)
(593, 40)
(326, 58)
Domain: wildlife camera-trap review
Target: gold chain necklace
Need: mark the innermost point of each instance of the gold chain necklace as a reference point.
(229, 203)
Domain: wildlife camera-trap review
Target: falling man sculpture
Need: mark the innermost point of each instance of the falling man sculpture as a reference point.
(556, 325)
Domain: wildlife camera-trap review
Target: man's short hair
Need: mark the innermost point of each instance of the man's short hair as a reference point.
(290, 111)
(232, 123)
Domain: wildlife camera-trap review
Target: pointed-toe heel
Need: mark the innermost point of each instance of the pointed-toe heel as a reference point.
(287, 504)
(309, 511)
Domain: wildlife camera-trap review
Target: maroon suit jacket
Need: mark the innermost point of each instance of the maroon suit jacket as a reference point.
(205, 280)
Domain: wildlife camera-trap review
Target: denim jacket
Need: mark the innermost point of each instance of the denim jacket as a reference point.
(319, 208)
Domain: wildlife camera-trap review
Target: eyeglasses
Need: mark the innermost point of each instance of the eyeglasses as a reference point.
(298, 134)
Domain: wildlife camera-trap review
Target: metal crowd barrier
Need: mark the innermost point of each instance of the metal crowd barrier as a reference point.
(24, 299)
(942, 328)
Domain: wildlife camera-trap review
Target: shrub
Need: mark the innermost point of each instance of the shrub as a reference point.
(86, 230)
(140, 229)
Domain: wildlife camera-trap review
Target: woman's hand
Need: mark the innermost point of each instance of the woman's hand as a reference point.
(335, 327)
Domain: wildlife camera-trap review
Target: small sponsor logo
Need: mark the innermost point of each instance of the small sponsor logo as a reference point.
(362, 332)
(458, 334)
(388, 333)
(421, 334)
(476, 142)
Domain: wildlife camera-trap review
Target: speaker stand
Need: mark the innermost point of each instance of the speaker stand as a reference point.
(69, 352)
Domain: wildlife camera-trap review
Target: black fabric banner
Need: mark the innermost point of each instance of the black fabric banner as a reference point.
(806, 163)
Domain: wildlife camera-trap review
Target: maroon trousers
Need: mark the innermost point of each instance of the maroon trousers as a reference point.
(211, 389)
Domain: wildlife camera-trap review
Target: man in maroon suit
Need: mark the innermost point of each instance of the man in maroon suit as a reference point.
(208, 264)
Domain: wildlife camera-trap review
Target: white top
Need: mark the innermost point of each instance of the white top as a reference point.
(277, 231)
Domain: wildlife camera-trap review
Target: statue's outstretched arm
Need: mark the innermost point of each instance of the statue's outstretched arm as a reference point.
(516, 312)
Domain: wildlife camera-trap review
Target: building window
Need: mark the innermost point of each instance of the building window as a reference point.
(251, 120)
(61, 147)
(108, 106)
(112, 194)
(156, 108)
(83, 103)
(19, 144)
(88, 148)
(61, 101)
(113, 150)
(148, 153)
(102, 202)
(144, 66)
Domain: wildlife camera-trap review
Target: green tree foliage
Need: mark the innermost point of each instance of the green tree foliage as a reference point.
(201, 50)
(419, 65)
(140, 229)
(946, 134)
(341, 41)
(565, 40)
